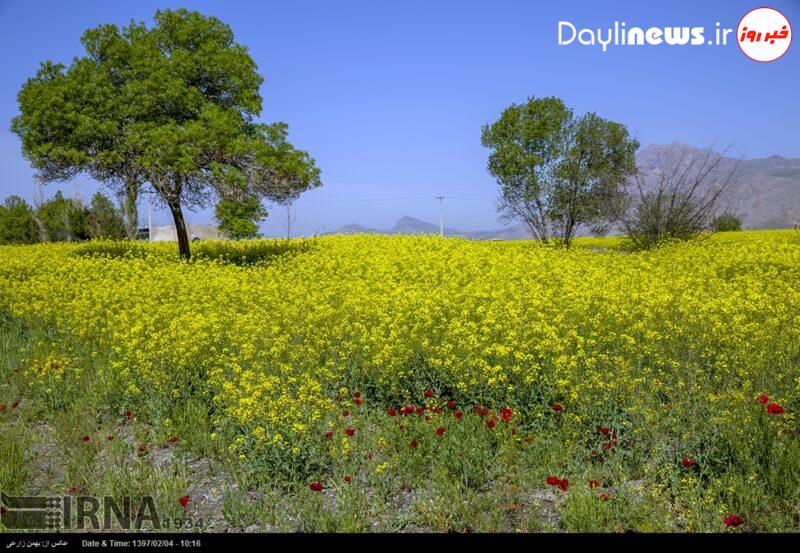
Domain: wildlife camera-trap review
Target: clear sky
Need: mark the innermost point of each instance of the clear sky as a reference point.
(390, 96)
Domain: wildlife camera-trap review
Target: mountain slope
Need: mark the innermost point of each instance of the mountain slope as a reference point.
(766, 192)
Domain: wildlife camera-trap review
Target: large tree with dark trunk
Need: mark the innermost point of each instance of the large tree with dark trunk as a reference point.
(172, 107)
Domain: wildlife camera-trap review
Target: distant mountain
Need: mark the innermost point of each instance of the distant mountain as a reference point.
(412, 225)
(356, 229)
(766, 192)
(766, 195)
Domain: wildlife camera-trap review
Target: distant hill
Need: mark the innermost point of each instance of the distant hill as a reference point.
(766, 195)
(412, 225)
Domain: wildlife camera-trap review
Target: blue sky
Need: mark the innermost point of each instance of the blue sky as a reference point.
(389, 97)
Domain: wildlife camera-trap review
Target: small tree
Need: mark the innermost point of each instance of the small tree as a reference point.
(290, 216)
(558, 172)
(63, 219)
(677, 197)
(173, 107)
(726, 222)
(239, 220)
(104, 221)
(17, 225)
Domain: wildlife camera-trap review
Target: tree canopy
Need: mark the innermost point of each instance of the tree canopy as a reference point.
(557, 171)
(104, 220)
(173, 106)
(239, 220)
(17, 223)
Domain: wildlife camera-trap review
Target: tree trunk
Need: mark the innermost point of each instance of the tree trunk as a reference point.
(130, 209)
(180, 229)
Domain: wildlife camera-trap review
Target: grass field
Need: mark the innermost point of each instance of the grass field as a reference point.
(372, 383)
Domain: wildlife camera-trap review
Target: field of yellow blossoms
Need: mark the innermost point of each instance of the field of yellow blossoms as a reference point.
(384, 383)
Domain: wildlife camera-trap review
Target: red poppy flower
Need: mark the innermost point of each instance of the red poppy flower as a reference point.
(184, 500)
(733, 520)
(357, 395)
(557, 407)
(391, 412)
(440, 431)
(173, 440)
(428, 393)
(419, 410)
(316, 486)
(128, 414)
(774, 409)
(350, 431)
(329, 434)
(688, 462)
(762, 399)
(604, 496)
(458, 415)
(72, 489)
(604, 431)
(562, 485)
(110, 438)
(433, 409)
(358, 401)
(15, 405)
(594, 483)
(414, 444)
(490, 424)
(408, 410)
(480, 410)
(427, 418)
(594, 452)
(347, 479)
(451, 404)
(607, 446)
(506, 414)
(345, 413)
(86, 438)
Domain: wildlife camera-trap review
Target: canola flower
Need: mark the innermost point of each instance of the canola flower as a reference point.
(272, 331)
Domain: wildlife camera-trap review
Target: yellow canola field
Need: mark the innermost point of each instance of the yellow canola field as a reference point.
(703, 327)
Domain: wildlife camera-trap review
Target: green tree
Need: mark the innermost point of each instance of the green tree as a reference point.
(63, 219)
(239, 220)
(172, 107)
(726, 222)
(17, 225)
(104, 220)
(556, 171)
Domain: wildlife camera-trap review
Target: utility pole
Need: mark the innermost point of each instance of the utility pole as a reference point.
(149, 217)
(441, 213)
